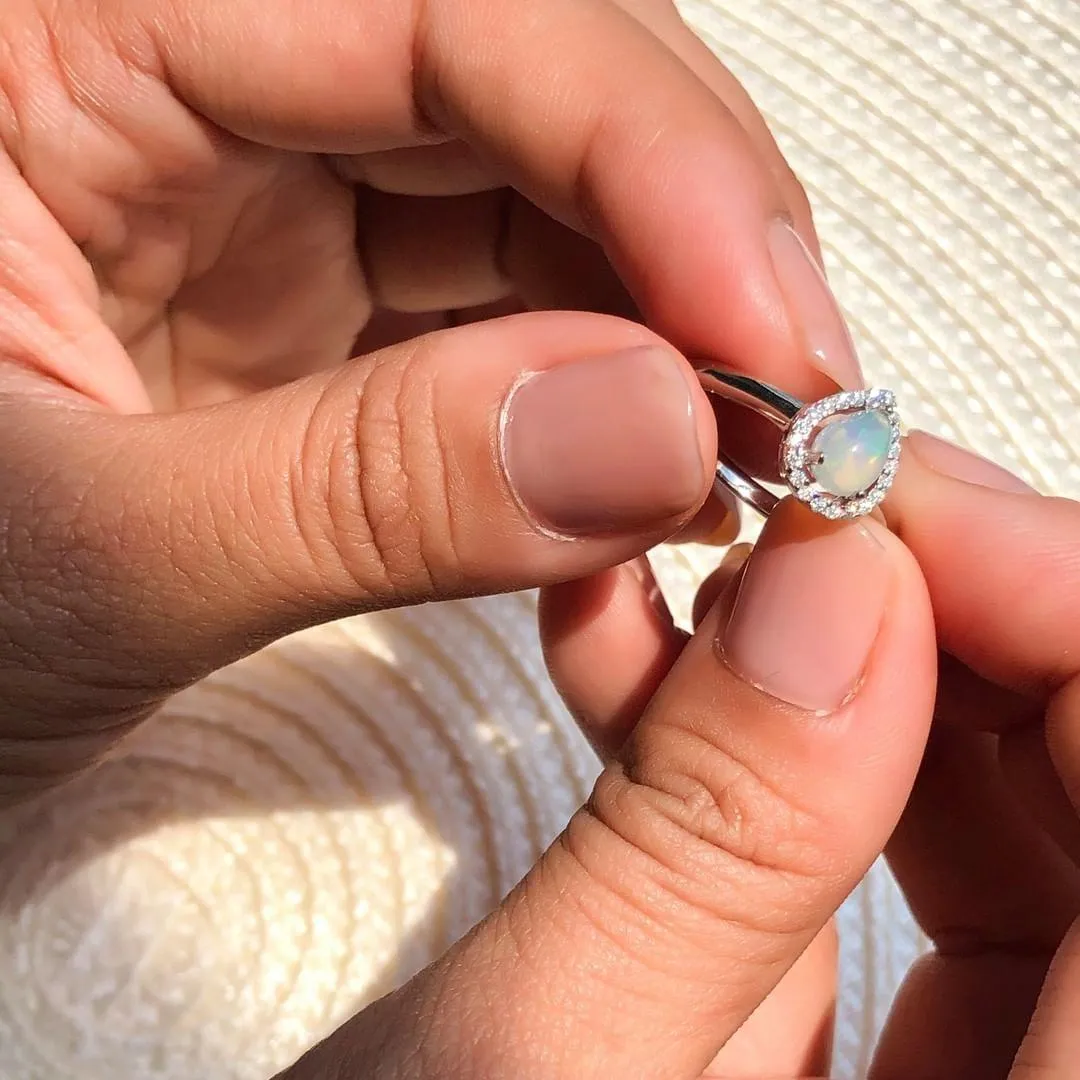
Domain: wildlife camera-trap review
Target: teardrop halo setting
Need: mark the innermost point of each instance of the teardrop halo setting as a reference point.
(802, 452)
(838, 455)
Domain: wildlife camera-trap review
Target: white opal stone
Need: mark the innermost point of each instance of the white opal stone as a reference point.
(849, 452)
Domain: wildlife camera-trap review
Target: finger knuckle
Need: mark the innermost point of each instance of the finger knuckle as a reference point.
(389, 507)
(717, 837)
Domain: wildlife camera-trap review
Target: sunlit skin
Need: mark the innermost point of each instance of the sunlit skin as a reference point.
(269, 275)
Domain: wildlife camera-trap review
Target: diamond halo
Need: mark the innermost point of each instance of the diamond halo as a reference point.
(796, 452)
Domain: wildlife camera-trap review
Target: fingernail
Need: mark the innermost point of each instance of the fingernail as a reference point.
(606, 445)
(813, 308)
(951, 460)
(809, 609)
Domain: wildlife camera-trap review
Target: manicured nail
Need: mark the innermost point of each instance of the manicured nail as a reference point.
(606, 445)
(809, 608)
(813, 308)
(951, 460)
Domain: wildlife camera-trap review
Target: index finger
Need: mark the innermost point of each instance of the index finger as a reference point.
(585, 111)
(1001, 563)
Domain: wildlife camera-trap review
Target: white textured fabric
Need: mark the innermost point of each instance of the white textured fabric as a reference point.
(306, 829)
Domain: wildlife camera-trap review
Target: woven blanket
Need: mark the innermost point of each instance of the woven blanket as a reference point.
(300, 833)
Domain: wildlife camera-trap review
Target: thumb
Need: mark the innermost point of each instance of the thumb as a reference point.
(491, 457)
(762, 780)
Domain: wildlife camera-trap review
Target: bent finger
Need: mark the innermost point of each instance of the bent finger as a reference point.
(711, 589)
(625, 143)
(663, 18)
(1000, 562)
(447, 168)
(609, 642)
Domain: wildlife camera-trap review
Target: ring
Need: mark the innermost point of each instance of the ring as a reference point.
(838, 455)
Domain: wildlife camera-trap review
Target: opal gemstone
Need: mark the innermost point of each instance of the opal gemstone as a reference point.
(849, 452)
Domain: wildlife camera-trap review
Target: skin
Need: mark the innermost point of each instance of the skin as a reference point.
(197, 256)
(174, 242)
(987, 848)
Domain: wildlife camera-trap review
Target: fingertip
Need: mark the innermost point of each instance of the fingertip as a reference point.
(609, 641)
(823, 658)
(810, 605)
(716, 524)
(718, 582)
(958, 463)
(1000, 562)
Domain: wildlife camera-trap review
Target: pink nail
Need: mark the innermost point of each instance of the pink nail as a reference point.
(606, 444)
(951, 460)
(809, 608)
(813, 308)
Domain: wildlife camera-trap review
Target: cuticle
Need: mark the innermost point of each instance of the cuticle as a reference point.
(503, 426)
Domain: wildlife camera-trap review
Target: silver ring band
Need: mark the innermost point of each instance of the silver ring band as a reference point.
(838, 455)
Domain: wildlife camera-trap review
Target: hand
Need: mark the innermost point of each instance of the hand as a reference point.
(181, 226)
(988, 851)
(753, 772)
